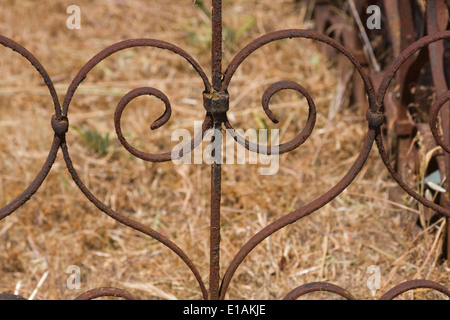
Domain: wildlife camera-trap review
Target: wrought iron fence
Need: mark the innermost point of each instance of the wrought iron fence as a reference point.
(216, 103)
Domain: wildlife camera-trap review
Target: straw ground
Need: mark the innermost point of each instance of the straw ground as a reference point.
(58, 227)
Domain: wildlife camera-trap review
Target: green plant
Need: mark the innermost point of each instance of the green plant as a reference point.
(97, 142)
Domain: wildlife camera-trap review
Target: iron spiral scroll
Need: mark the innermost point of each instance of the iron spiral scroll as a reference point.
(216, 102)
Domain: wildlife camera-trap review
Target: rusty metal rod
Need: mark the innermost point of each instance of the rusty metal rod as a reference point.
(216, 195)
(216, 141)
(412, 285)
(217, 44)
(106, 292)
(318, 287)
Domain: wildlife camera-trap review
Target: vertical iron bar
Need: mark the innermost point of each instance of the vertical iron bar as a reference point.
(447, 242)
(445, 114)
(216, 190)
(216, 168)
(446, 203)
(435, 12)
(217, 45)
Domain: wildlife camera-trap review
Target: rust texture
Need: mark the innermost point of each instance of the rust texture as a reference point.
(372, 88)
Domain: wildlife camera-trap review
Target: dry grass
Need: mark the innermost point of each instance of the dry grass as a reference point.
(58, 227)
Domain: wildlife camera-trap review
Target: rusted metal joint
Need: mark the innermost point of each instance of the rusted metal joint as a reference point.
(375, 119)
(216, 103)
(60, 126)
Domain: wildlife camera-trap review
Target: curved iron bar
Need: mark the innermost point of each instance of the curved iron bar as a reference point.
(60, 126)
(133, 43)
(127, 44)
(375, 119)
(289, 34)
(168, 156)
(318, 287)
(106, 292)
(389, 76)
(390, 295)
(37, 182)
(332, 193)
(288, 146)
(145, 156)
(6, 42)
(11, 297)
(132, 223)
(298, 214)
(434, 113)
(413, 285)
